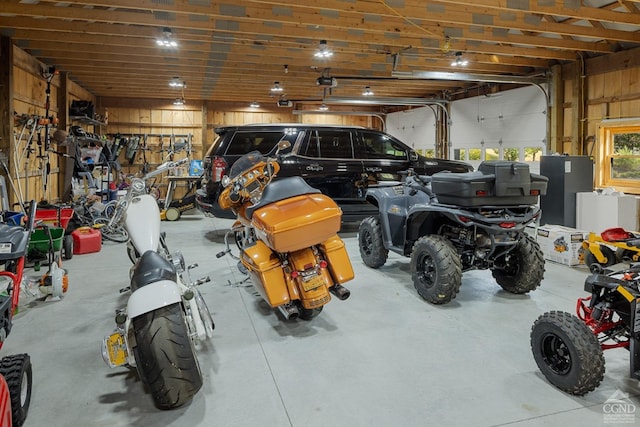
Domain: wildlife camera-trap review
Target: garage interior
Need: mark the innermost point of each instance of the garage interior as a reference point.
(452, 79)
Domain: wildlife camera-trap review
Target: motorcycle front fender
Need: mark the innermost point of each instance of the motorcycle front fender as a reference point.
(153, 296)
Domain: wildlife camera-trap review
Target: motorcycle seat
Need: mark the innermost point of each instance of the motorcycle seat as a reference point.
(282, 189)
(152, 267)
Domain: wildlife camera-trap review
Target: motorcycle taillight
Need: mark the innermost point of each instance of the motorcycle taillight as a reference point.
(218, 168)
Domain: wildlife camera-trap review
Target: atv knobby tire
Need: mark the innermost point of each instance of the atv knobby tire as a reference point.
(17, 372)
(436, 269)
(524, 268)
(372, 248)
(165, 356)
(567, 352)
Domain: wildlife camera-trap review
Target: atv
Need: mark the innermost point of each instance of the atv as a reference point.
(449, 223)
(568, 348)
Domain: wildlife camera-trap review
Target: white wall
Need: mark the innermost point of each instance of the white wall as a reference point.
(509, 119)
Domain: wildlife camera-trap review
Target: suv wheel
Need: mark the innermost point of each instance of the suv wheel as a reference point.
(436, 269)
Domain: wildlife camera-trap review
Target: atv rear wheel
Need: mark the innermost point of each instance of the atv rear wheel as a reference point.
(16, 370)
(590, 258)
(567, 352)
(436, 269)
(165, 356)
(523, 267)
(372, 248)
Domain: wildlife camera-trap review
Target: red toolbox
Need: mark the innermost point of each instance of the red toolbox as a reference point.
(86, 240)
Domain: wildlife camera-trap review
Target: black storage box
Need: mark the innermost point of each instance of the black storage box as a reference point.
(495, 183)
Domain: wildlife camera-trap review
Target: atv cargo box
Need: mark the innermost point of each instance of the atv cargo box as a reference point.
(495, 183)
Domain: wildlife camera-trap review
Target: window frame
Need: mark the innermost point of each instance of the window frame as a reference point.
(605, 155)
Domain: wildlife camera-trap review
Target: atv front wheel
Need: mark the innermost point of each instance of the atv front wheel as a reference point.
(372, 248)
(523, 268)
(567, 352)
(436, 269)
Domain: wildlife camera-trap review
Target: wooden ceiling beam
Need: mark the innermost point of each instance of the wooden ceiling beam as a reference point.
(183, 16)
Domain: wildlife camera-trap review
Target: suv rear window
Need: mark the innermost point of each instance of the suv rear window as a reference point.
(244, 142)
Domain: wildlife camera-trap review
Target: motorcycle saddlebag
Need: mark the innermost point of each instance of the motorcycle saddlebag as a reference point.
(297, 222)
(495, 183)
(338, 259)
(266, 273)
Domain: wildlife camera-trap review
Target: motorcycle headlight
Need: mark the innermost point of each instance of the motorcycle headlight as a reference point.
(226, 181)
(138, 187)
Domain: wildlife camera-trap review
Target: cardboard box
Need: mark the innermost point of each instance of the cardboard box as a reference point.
(562, 244)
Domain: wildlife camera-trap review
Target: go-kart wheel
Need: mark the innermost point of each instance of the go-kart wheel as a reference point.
(567, 352)
(590, 259)
(523, 267)
(172, 214)
(67, 246)
(436, 269)
(372, 248)
(16, 370)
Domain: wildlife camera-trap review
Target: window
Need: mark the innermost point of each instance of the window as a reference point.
(492, 153)
(459, 154)
(245, 142)
(333, 144)
(618, 156)
(512, 154)
(379, 146)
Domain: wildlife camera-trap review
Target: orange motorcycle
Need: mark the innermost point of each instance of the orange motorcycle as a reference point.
(286, 231)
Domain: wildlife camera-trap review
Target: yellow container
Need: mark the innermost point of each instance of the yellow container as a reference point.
(298, 222)
(338, 259)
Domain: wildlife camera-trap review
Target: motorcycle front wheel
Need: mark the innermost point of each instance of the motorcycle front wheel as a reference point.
(165, 356)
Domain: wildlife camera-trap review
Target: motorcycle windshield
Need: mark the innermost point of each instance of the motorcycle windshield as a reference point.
(245, 163)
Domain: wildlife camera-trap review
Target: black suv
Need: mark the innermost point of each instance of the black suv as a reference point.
(339, 161)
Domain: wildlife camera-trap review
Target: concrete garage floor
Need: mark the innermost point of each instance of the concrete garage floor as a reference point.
(384, 357)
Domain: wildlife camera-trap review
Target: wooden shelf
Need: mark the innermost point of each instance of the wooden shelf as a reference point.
(155, 125)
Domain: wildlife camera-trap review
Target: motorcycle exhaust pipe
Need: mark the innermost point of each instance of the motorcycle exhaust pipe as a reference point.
(289, 311)
(340, 291)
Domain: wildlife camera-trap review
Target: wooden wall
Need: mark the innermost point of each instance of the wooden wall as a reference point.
(602, 88)
(29, 97)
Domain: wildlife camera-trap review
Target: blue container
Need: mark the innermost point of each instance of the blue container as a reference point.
(195, 168)
(12, 218)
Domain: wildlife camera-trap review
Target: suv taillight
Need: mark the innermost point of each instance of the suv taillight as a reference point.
(218, 167)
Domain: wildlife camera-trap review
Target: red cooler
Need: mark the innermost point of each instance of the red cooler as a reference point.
(86, 240)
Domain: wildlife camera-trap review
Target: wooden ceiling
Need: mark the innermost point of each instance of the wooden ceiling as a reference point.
(235, 50)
